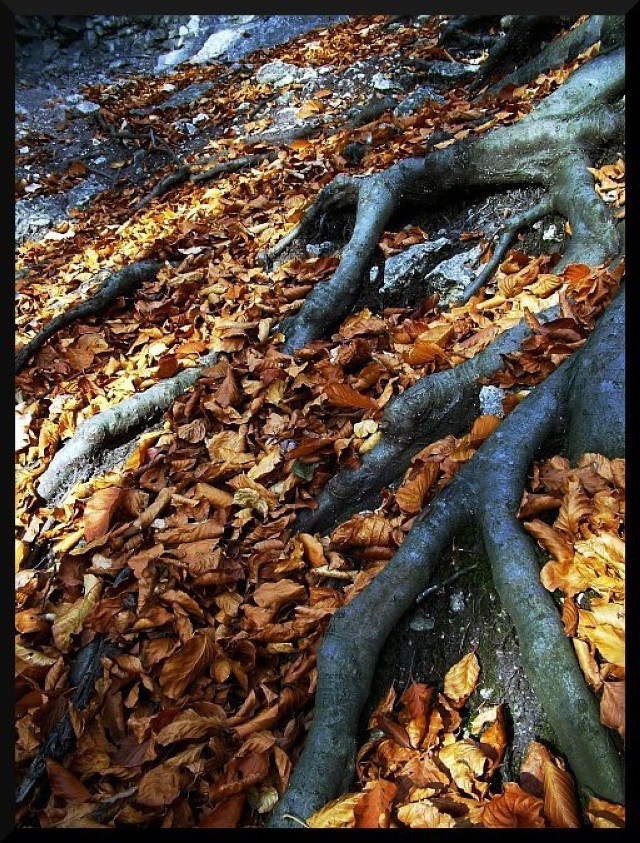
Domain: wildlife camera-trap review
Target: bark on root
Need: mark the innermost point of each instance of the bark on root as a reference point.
(84, 674)
(112, 425)
(435, 406)
(549, 147)
(356, 634)
(119, 284)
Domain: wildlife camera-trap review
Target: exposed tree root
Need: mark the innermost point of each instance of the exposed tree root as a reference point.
(556, 53)
(549, 147)
(459, 25)
(504, 241)
(111, 425)
(119, 284)
(356, 117)
(234, 166)
(435, 406)
(84, 673)
(522, 38)
(176, 177)
(489, 489)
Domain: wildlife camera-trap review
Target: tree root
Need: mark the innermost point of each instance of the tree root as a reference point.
(555, 54)
(121, 283)
(112, 424)
(84, 673)
(504, 241)
(435, 406)
(178, 176)
(488, 488)
(523, 37)
(233, 166)
(549, 147)
(460, 24)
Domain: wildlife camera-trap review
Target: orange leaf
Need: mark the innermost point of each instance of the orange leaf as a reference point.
(612, 706)
(314, 551)
(410, 496)
(344, 396)
(532, 769)
(98, 511)
(605, 814)
(461, 679)
(513, 809)
(570, 617)
(551, 540)
(374, 809)
(64, 784)
(159, 787)
(560, 803)
(415, 710)
(189, 662)
(424, 351)
(483, 427)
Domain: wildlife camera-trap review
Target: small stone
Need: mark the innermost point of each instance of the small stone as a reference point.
(382, 83)
(374, 272)
(84, 108)
(422, 624)
(215, 46)
(23, 150)
(456, 602)
(491, 398)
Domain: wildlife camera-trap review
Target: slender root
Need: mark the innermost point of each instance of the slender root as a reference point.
(113, 424)
(121, 283)
(504, 241)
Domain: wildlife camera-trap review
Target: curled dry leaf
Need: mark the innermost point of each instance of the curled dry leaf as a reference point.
(604, 814)
(98, 511)
(612, 706)
(513, 808)
(189, 662)
(424, 815)
(460, 680)
(336, 814)
(560, 801)
(70, 620)
(411, 495)
(343, 395)
(374, 809)
(532, 769)
(64, 784)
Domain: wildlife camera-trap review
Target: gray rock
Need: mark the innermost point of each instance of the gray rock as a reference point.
(416, 100)
(216, 45)
(315, 250)
(171, 59)
(382, 83)
(411, 265)
(450, 72)
(451, 276)
(279, 73)
(80, 195)
(491, 398)
(186, 95)
(82, 108)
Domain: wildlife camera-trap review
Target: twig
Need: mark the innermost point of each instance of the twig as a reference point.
(440, 586)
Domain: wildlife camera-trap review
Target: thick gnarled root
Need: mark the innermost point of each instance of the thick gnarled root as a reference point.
(433, 407)
(488, 489)
(549, 147)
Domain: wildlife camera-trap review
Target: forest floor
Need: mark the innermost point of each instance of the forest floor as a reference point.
(171, 552)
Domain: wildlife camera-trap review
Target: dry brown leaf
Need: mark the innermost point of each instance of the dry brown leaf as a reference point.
(189, 662)
(513, 809)
(159, 787)
(424, 815)
(410, 496)
(98, 511)
(560, 801)
(64, 784)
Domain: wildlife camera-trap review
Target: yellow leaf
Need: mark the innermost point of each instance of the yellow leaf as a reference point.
(424, 815)
(71, 618)
(465, 761)
(461, 679)
(336, 814)
(605, 814)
